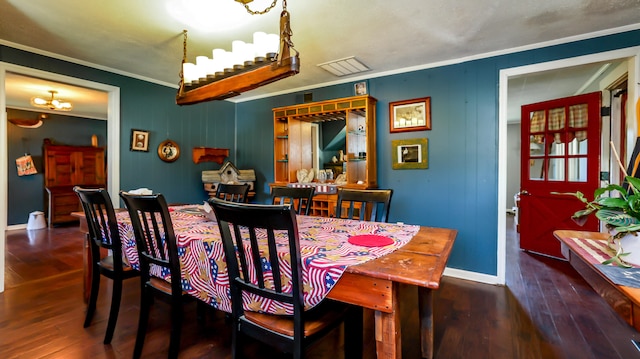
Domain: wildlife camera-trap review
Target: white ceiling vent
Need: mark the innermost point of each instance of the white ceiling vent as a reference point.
(344, 67)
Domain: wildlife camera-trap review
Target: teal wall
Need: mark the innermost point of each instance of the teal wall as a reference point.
(150, 107)
(459, 189)
(26, 193)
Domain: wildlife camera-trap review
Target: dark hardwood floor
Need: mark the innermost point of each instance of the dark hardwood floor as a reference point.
(545, 311)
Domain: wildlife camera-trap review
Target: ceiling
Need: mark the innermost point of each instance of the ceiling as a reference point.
(143, 38)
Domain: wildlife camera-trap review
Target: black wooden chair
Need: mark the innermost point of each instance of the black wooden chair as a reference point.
(300, 198)
(365, 205)
(103, 233)
(238, 193)
(290, 334)
(157, 247)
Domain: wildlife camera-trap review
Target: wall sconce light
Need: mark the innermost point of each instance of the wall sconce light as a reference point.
(246, 67)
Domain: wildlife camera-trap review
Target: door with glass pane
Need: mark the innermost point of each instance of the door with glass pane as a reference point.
(560, 153)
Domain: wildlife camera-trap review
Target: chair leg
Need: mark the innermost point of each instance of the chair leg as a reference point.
(353, 333)
(115, 308)
(235, 341)
(93, 296)
(145, 306)
(176, 326)
(298, 350)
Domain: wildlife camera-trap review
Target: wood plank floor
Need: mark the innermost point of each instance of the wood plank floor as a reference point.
(545, 311)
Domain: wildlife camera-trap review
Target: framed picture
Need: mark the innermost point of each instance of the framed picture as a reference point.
(139, 140)
(168, 151)
(360, 88)
(410, 115)
(409, 154)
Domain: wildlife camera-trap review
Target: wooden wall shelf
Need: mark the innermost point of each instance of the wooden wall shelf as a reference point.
(209, 154)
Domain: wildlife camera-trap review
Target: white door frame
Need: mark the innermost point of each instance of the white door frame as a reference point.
(631, 53)
(113, 140)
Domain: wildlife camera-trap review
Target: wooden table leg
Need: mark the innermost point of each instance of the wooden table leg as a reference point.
(425, 305)
(387, 330)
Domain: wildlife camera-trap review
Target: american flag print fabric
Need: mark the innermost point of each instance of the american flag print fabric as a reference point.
(326, 254)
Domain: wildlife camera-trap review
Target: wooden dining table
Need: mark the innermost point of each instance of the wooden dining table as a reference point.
(376, 283)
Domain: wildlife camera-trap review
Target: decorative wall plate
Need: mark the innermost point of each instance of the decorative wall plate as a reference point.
(168, 151)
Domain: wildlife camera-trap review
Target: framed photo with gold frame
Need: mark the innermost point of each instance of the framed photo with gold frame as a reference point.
(410, 154)
(410, 115)
(139, 140)
(168, 151)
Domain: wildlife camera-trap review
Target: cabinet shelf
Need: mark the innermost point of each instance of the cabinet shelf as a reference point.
(292, 137)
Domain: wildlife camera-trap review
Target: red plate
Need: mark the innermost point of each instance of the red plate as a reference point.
(370, 240)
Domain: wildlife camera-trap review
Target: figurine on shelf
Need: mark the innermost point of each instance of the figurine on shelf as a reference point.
(341, 154)
(334, 159)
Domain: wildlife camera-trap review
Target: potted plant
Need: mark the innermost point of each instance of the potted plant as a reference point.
(619, 209)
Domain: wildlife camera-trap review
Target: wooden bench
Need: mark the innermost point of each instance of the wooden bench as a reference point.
(624, 300)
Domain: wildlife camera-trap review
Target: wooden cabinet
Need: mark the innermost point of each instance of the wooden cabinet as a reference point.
(65, 167)
(294, 145)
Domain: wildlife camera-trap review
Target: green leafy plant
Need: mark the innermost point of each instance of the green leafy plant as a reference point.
(617, 207)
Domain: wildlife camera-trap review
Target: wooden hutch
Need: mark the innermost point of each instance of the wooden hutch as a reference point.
(293, 146)
(64, 168)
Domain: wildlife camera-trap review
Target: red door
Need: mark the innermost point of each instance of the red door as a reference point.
(560, 153)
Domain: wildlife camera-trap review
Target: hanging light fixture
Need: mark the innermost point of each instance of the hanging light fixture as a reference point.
(52, 103)
(246, 67)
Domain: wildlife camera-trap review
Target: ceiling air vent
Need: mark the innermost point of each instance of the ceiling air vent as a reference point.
(344, 67)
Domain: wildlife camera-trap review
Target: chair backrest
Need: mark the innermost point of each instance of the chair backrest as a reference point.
(256, 250)
(238, 193)
(365, 205)
(300, 198)
(155, 239)
(101, 223)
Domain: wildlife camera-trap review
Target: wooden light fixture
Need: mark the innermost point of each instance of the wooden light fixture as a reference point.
(227, 75)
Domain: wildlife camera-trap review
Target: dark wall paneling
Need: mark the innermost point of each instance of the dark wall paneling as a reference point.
(26, 193)
(210, 124)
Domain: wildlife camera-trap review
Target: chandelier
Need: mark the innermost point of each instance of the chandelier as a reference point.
(246, 67)
(52, 103)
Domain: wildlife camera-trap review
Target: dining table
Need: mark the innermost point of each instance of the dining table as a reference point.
(335, 266)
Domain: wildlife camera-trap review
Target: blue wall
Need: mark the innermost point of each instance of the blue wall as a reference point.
(26, 193)
(150, 107)
(459, 189)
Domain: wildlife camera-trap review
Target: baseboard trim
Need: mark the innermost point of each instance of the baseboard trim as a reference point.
(14, 227)
(473, 276)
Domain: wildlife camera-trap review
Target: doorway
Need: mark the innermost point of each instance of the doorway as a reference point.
(630, 55)
(113, 139)
(560, 154)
